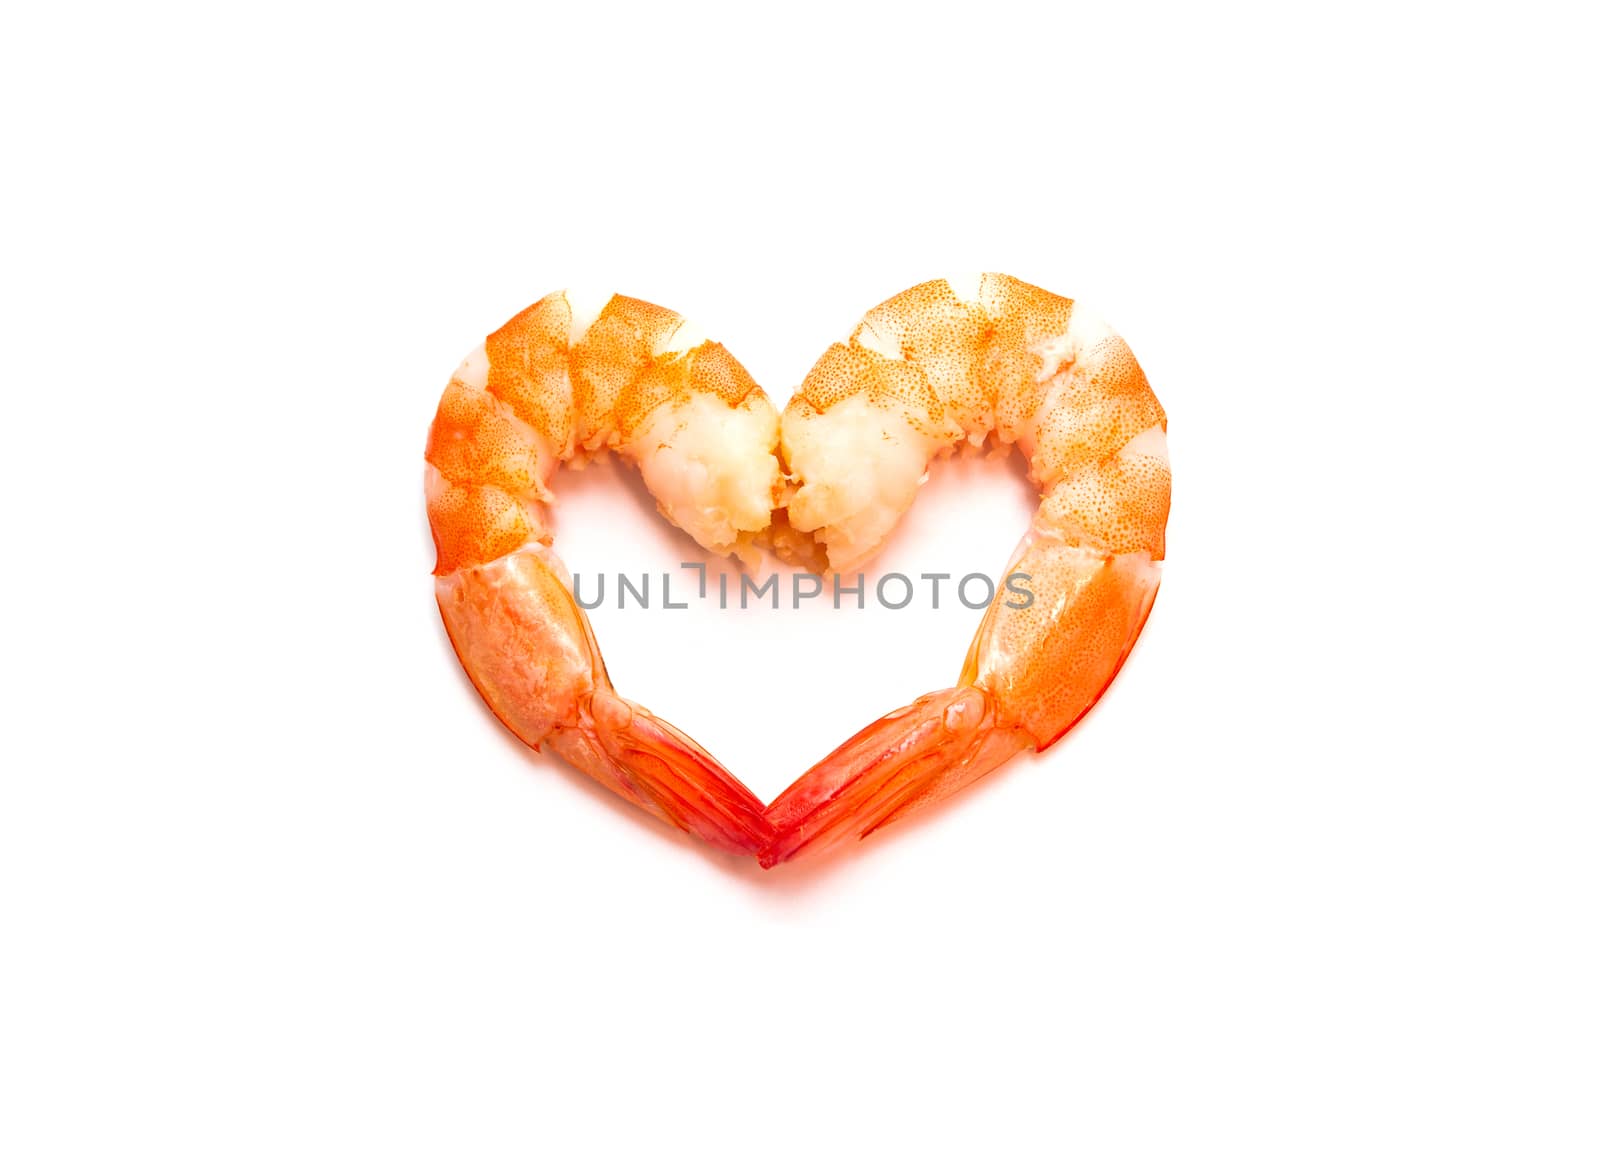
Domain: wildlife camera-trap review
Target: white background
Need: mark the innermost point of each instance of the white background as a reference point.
(1314, 887)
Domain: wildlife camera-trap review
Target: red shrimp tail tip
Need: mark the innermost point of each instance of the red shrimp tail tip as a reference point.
(642, 758)
(908, 759)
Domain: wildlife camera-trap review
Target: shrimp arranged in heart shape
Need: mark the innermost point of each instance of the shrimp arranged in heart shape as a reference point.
(944, 364)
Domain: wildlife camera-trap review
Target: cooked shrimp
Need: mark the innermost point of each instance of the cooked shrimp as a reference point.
(955, 362)
(559, 381)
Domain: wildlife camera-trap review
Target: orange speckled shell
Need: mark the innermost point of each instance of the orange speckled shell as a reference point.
(616, 350)
(1013, 363)
(854, 370)
(493, 449)
(972, 368)
(708, 369)
(528, 369)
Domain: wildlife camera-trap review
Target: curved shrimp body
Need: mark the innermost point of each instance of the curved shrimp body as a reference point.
(951, 363)
(558, 382)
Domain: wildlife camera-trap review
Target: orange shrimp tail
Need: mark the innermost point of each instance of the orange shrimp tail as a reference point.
(908, 759)
(647, 761)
